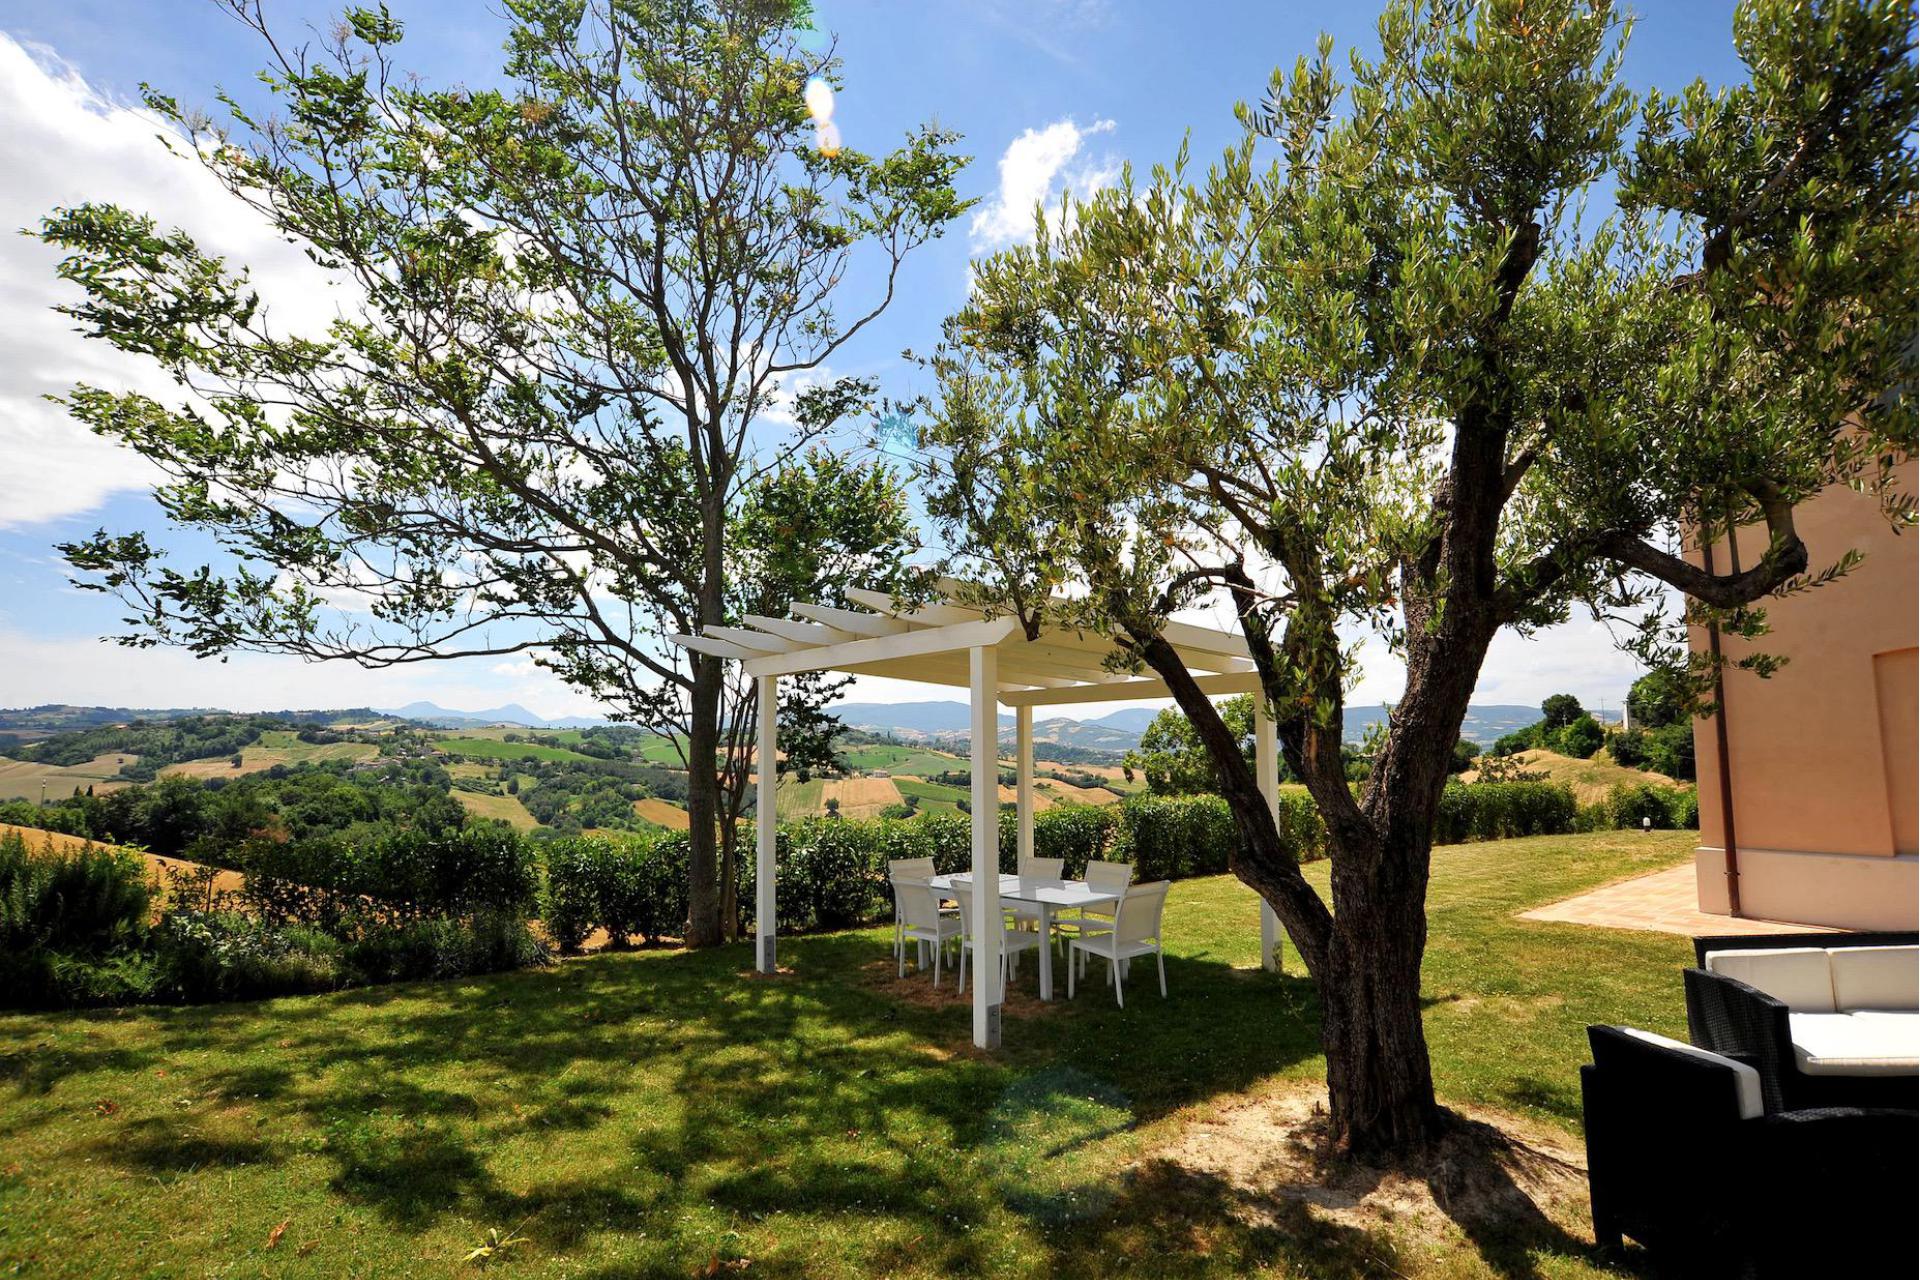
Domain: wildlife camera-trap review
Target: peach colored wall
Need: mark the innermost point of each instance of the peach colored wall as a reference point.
(1824, 752)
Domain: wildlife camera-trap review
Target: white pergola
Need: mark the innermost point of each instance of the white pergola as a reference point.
(956, 644)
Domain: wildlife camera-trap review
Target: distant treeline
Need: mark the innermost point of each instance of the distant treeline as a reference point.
(157, 743)
(204, 819)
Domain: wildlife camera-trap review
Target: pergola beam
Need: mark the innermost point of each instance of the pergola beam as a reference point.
(860, 624)
(1133, 690)
(909, 644)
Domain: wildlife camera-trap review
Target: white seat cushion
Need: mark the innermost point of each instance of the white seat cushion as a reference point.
(1870, 1043)
(1747, 1077)
(1876, 977)
(1799, 977)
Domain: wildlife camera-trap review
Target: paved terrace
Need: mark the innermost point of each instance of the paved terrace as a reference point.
(1663, 902)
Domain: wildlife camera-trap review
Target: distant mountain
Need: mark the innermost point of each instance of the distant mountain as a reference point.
(909, 720)
(1483, 724)
(1119, 731)
(1132, 720)
(513, 713)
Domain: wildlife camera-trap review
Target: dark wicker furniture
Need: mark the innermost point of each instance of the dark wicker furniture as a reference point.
(1679, 1161)
(1746, 1024)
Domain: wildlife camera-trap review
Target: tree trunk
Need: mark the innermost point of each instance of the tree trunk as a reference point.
(1379, 1083)
(703, 807)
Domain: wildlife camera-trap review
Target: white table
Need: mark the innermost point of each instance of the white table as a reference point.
(1048, 895)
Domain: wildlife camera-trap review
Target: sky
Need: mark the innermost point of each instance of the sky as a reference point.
(1050, 95)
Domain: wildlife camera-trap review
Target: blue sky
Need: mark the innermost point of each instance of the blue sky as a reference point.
(1048, 93)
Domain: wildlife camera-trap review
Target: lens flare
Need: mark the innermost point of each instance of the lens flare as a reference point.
(827, 137)
(819, 98)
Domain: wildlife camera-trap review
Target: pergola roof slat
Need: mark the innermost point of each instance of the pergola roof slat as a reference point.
(864, 624)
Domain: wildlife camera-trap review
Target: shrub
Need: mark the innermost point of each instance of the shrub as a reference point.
(230, 956)
(1170, 837)
(1581, 738)
(443, 947)
(1502, 811)
(1663, 808)
(1076, 833)
(400, 875)
(82, 900)
(628, 885)
(831, 876)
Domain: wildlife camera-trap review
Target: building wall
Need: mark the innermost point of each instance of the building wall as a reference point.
(1825, 754)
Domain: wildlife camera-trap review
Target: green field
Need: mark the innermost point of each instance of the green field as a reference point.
(30, 780)
(506, 808)
(930, 794)
(658, 1114)
(797, 799)
(497, 749)
(901, 759)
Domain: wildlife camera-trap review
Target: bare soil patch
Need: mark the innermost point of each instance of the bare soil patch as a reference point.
(917, 988)
(1492, 1174)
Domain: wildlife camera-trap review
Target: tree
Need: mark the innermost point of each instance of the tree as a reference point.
(1656, 700)
(1559, 711)
(1465, 753)
(1173, 760)
(1581, 738)
(1402, 376)
(540, 424)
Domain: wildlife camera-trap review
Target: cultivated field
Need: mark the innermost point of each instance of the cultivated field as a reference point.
(662, 813)
(506, 808)
(22, 779)
(484, 748)
(275, 746)
(860, 797)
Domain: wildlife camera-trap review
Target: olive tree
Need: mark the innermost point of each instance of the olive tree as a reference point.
(542, 420)
(1464, 340)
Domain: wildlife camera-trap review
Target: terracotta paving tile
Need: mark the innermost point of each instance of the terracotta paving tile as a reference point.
(1661, 902)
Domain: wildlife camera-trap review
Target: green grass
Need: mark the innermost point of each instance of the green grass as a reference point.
(931, 794)
(495, 749)
(655, 1113)
(796, 799)
(900, 759)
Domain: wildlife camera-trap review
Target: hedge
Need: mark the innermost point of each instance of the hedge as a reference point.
(75, 925)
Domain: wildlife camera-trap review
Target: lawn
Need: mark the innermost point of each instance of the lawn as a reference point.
(659, 1113)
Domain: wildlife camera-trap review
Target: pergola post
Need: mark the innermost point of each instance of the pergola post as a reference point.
(1023, 778)
(1266, 767)
(983, 669)
(766, 823)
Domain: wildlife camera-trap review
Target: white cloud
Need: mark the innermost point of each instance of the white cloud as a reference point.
(1036, 168)
(63, 142)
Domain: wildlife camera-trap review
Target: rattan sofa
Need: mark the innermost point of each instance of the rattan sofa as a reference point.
(1684, 1157)
(1825, 1019)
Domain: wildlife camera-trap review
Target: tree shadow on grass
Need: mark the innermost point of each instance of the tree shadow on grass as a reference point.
(643, 1106)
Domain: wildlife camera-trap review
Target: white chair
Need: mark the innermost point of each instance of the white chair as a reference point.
(1028, 913)
(922, 921)
(1013, 940)
(914, 871)
(1135, 932)
(1103, 877)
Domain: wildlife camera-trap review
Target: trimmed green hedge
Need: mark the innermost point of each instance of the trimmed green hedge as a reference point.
(833, 871)
(312, 916)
